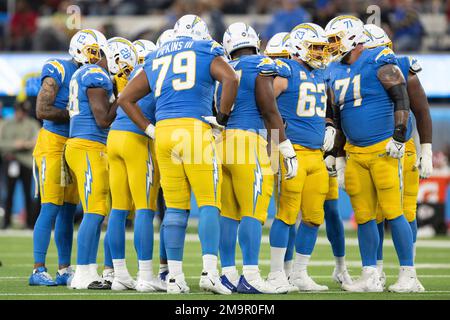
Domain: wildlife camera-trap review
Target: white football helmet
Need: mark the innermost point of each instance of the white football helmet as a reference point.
(123, 56)
(278, 46)
(165, 37)
(308, 42)
(143, 48)
(86, 46)
(240, 35)
(344, 33)
(191, 26)
(376, 37)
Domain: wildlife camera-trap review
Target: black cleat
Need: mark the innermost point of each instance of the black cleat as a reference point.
(98, 285)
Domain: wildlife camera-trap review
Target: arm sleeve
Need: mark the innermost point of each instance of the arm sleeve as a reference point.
(55, 70)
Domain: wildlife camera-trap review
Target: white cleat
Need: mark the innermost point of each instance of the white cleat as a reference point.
(160, 282)
(279, 280)
(108, 276)
(368, 282)
(145, 286)
(407, 281)
(210, 282)
(383, 279)
(342, 277)
(80, 280)
(177, 284)
(126, 283)
(305, 283)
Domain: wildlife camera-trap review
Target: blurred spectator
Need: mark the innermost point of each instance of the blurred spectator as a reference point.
(17, 139)
(286, 19)
(23, 26)
(211, 11)
(407, 27)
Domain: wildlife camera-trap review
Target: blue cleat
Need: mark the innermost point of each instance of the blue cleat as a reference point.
(227, 283)
(163, 275)
(40, 277)
(255, 286)
(62, 279)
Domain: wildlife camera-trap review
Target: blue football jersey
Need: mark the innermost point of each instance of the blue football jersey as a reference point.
(303, 104)
(62, 71)
(245, 114)
(366, 110)
(179, 76)
(409, 65)
(82, 121)
(147, 105)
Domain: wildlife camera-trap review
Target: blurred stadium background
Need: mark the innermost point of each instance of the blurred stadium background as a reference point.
(33, 31)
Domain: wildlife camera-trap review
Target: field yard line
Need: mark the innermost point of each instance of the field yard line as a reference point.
(111, 295)
(421, 243)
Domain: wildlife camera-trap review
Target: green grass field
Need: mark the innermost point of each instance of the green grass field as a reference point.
(433, 267)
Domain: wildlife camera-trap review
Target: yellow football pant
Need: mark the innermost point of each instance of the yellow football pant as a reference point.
(305, 192)
(247, 175)
(187, 159)
(410, 183)
(373, 178)
(333, 192)
(133, 171)
(48, 156)
(88, 165)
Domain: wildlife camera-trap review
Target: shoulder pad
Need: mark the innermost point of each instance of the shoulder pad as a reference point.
(284, 70)
(414, 65)
(266, 66)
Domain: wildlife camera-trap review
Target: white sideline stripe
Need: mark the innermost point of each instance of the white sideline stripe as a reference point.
(112, 293)
(421, 243)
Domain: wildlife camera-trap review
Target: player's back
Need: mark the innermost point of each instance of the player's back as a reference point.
(82, 121)
(367, 113)
(147, 105)
(302, 105)
(245, 114)
(179, 75)
(61, 71)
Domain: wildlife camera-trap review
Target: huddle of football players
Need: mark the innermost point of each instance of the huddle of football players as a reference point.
(321, 108)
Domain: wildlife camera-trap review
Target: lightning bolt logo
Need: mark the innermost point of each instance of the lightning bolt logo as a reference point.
(88, 182)
(257, 184)
(149, 175)
(215, 172)
(43, 169)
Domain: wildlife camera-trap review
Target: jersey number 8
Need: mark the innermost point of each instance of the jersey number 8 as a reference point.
(73, 98)
(182, 63)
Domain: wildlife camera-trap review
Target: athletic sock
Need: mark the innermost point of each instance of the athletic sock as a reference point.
(228, 239)
(334, 228)
(120, 268)
(175, 223)
(143, 234)
(209, 230)
(209, 263)
(43, 230)
(291, 244)
(301, 262)
(368, 239)
(250, 233)
(87, 234)
(403, 240)
(278, 238)
(413, 225)
(145, 270)
(175, 267)
(94, 245)
(64, 232)
(380, 227)
(107, 252)
(116, 233)
(306, 239)
(162, 247)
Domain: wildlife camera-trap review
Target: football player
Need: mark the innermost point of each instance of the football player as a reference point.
(181, 74)
(91, 114)
(302, 85)
(57, 202)
(413, 166)
(373, 112)
(247, 174)
(134, 182)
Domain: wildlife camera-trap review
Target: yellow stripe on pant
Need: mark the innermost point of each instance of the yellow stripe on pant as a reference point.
(373, 178)
(88, 165)
(47, 153)
(133, 171)
(306, 191)
(248, 177)
(187, 159)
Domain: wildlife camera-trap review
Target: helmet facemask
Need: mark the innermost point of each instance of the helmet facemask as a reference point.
(92, 53)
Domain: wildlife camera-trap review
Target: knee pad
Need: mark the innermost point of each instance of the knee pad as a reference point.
(175, 218)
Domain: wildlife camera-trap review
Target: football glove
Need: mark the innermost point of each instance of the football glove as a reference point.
(213, 122)
(121, 82)
(425, 161)
(289, 157)
(340, 171)
(150, 131)
(395, 149)
(330, 162)
(328, 141)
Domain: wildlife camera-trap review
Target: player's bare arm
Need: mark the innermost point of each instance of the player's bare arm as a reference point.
(45, 110)
(394, 83)
(104, 112)
(265, 99)
(224, 73)
(280, 85)
(136, 89)
(420, 108)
